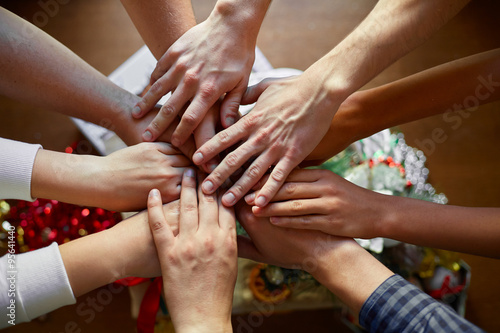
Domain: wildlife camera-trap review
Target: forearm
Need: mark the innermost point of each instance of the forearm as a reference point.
(67, 177)
(392, 29)
(454, 228)
(39, 70)
(160, 22)
(351, 273)
(90, 262)
(447, 88)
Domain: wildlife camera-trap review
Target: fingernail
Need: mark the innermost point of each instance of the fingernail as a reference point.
(198, 158)
(212, 167)
(208, 186)
(229, 121)
(189, 172)
(147, 136)
(229, 198)
(250, 198)
(154, 193)
(260, 201)
(136, 110)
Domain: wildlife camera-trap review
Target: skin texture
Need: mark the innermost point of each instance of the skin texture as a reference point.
(321, 200)
(119, 182)
(204, 65)
(108, 256)
(302, 107)
(338, 263)
(199, 265)
(368, 111)
(86, 94)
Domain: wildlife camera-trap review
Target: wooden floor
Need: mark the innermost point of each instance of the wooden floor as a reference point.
(295, 33)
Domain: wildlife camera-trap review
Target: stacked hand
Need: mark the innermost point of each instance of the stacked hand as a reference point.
(199, 263)
(321, 200)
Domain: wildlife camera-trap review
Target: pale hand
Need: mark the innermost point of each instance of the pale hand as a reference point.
(208, 62)
(289, 120)
(199, 265)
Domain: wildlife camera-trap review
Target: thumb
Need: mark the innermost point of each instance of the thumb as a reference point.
(253, 93)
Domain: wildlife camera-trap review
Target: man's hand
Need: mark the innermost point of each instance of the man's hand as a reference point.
(209, 61)
(289, 120)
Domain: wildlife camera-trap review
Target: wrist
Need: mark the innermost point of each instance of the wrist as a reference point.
(243, 17)
(122, 122)
(351, 273)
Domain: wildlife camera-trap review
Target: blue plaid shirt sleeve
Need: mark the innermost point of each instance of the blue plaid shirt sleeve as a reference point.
(398, 306)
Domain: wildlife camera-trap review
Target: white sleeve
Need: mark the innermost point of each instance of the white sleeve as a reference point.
(16, 166)
(40, 282)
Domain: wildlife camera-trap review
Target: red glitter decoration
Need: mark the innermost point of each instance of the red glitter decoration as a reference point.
(42, 222)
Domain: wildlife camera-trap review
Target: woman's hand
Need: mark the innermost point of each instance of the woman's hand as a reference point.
(126, 176)
(199, 265)
(322, 200)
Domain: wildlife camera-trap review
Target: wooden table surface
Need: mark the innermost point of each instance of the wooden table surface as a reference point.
(294, 34)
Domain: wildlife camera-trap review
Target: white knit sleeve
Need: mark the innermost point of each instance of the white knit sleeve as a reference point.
(40, 282)
(16, 166)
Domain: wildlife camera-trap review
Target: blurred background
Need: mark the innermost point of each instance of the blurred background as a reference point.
(294, 34)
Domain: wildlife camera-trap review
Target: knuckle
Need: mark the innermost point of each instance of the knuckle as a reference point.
(238, 189)
(216, 177)
(254, 171)
(157, 87)
(210, 199)
(155, 125)
(190, 208)
(167, 110)
(290, 188)
(278, 175)
(189, 251)
(249, 121)
(180, 65)
(296, 206)
(224, 136)
(209, 244)
(190, 79)
(190, 119)
(262, 136)
(232, 159)
(207, 91)
(157, 226)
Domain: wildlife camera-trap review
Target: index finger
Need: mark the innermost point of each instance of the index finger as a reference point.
(274, 182)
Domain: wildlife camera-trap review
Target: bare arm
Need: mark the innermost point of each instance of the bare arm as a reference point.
(109, 256)
(37, 69)
(160, 22)
(308, 102)
(321, 200)
(441, 89)
(119, 182)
